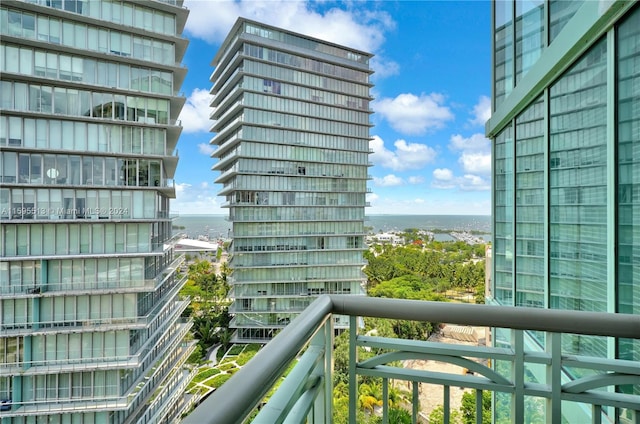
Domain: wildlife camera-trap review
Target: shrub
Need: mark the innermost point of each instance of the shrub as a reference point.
(226, 366)
(205, 374)
(219, 380)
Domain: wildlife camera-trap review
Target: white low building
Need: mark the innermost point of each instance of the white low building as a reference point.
(195, 247)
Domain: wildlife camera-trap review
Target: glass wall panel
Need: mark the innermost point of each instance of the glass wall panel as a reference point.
(560, 12)
(503, 217)
(530, 199)
(529, 34)
(503, 50)
(578, 200)
(300, 62)
(628, 94)
(74, 34)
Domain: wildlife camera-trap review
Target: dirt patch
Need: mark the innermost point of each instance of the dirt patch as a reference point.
(432, 395)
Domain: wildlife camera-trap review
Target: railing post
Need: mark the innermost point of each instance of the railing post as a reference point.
(385, 401)
(415, 401)
(596, 414)
(554, 370)
(479, 406)
(316, 414)
(328, 371)
(353, 360)
(446, 404)
(517, 404)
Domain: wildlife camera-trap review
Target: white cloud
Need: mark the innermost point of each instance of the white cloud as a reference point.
(411, 114)
(476, 163)
(475, 153)
(418, 179)
(181, 187)
(388, 181)
(383, 67)
(443, 174)
(474, 183)
(351, 25)
(443, 178)
(206, 148)
(196, 110)
(196, 199)
(476, 143)
(481, 111)
(406, 156)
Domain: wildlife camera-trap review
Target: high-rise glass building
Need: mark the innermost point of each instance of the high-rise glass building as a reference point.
(291, 117)
(90, 328)
(566, 162)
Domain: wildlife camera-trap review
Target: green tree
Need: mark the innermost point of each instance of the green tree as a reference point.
(204, 329)
(468, 407)
(225, 271)
(437, 416)
(379, 268)
(214, 289)
(224, 337)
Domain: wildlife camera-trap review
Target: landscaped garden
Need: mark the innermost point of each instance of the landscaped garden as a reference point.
(211, 376)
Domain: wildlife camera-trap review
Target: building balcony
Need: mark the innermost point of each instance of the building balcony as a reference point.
(233, 82)
(305, 395)
(70, 365)
(169, 403)
(151, 387)
(229, 111)
(164, 385)
(101, 286)
(223, 71)
(224, 146)
(75, 324)
(244, 313)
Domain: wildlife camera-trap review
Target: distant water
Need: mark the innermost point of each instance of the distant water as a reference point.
(213, 226)
(217, 226)
(429, 222)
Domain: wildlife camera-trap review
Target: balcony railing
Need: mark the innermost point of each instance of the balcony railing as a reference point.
(305, 395)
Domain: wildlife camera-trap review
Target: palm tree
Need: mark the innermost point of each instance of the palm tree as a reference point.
(204, 330)
(370, 395)
(225, 271)
(224, 337)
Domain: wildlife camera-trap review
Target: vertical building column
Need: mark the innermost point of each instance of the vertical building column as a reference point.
(44, 275)
(16, 391)
(612, 185)
(547, 194)
(26, 353)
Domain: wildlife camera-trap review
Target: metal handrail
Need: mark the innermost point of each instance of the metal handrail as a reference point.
(250, 384)
(517, 318)
(233, 402)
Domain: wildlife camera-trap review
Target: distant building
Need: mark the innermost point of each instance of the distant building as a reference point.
(566, 164)
(199, 249)
(291, 117)
(90, 328)
(383, 238)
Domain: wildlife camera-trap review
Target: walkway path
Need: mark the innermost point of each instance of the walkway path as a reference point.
(213, 354)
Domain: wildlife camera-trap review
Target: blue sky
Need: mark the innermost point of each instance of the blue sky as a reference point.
(432, 85)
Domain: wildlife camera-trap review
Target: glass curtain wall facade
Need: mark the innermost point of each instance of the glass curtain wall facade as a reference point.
(291, 117)
(90, 328)
(566, 137)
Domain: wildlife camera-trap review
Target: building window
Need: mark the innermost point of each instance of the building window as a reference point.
(270, 86)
